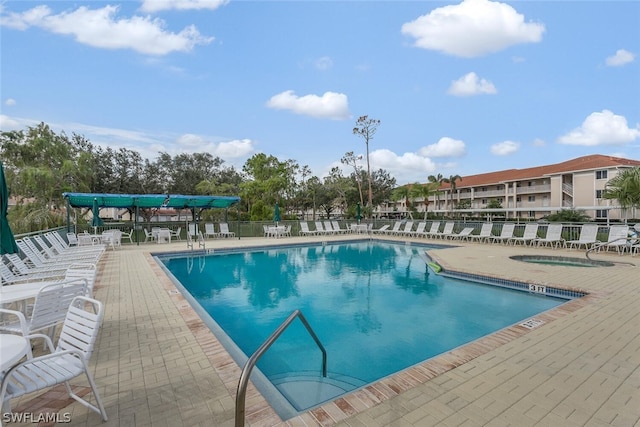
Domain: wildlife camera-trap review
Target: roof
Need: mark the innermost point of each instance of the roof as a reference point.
(595, 161)
(177, 201)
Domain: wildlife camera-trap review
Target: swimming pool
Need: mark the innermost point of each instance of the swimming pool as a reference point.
(374, 305)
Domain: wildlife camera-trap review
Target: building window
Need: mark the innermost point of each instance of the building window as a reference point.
(532, 198)
(484, 201)
(518, 199)
(601, 213)
(601, 174)
(599, 194)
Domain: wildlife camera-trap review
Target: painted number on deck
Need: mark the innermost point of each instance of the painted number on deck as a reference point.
(541, 289)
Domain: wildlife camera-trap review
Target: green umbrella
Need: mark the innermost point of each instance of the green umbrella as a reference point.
(276, 214)
(358, 213)
(96, 221)
(7, 241)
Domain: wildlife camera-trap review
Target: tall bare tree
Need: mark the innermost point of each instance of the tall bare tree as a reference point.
(366, 128)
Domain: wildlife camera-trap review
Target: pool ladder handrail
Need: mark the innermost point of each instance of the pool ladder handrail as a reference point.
(600, 245)
(248, 367)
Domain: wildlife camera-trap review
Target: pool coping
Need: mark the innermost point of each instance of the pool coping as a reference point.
(258, 410)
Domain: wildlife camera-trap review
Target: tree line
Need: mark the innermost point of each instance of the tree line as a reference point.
(40, 165)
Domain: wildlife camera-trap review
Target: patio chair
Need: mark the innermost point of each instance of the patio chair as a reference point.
(552, 238)
(9, 277)
(176, 233)
(320, 228)
(505, 234)
(112, 238)
(485, 233)
(69, 359)
(304, 229)
(588, 237)
(394, 230)
(148, 236)
(618, 238)
(49, 308)
(406, 230)
(21, 268)
(224, 230)
(61, 247)
(209, 230)
(529, 235)
(72, 239)
(328, 227)
(127, 236)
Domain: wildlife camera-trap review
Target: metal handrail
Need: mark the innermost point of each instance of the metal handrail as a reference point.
(600, 245)
(248, 367)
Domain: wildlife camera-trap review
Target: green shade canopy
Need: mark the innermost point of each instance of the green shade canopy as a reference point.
(176, 201)
(96, 221)
(276, 213)
(7, 241)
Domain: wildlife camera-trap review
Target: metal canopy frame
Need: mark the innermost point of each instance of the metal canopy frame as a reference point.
(123, 201)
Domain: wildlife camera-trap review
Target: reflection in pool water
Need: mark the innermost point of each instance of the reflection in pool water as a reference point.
(374, 305)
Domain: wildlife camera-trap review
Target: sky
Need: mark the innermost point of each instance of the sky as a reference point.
(460, 88)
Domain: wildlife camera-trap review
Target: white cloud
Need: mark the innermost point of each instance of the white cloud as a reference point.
(445, 147)
(225, 150)
(539, 142)
(472, 28)
(158, 5)
(505, 148)
(10, 102)
(331, 105)
(602, 128)
(621, 57)
(7, 123)
(470, 84)
(324, 63)
(102, 29)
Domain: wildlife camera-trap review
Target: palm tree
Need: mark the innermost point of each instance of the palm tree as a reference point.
(424, 191)
(452, 181)
(436, 181)
(625, 188)
(403, 192)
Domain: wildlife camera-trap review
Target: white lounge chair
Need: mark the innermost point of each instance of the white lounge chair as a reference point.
(618, 235)
(419, 231)
(304, 229)
(69, 359)
(382, 229)
(394, 230)
(506, 233)
(337, 229)
(210, 231)
(127, 236)
(148, 236)
(434, 229)
(328, 227)
(485, 233)
(463, 234)
(587, 238)
(406, 230)
(447, 231)
(224, 230)
(529, 235)
(176, 233)
(552, 238)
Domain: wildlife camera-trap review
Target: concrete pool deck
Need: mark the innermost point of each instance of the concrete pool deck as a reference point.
(157, 364)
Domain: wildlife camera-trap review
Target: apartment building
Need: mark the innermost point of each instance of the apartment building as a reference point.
(530, 193)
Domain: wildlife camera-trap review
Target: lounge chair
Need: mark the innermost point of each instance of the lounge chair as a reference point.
(485, 233)
(447, 231)
(434, 229)
(381, 230)
(552, 238)
(337, 229)
(406, 231)
(464, 234)
(320, 228)
(529, 235)
(618, 238)
(588, 237)
(304, 229)
(209, 230)
(506, 233)
(70, 359)
(328, 227)
(419, 231)
(23, 268)
(224, 230)
(394, 230)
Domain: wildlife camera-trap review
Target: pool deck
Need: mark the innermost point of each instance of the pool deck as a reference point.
(157, 364)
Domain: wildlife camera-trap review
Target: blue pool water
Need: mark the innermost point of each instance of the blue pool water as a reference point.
(374, 306)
